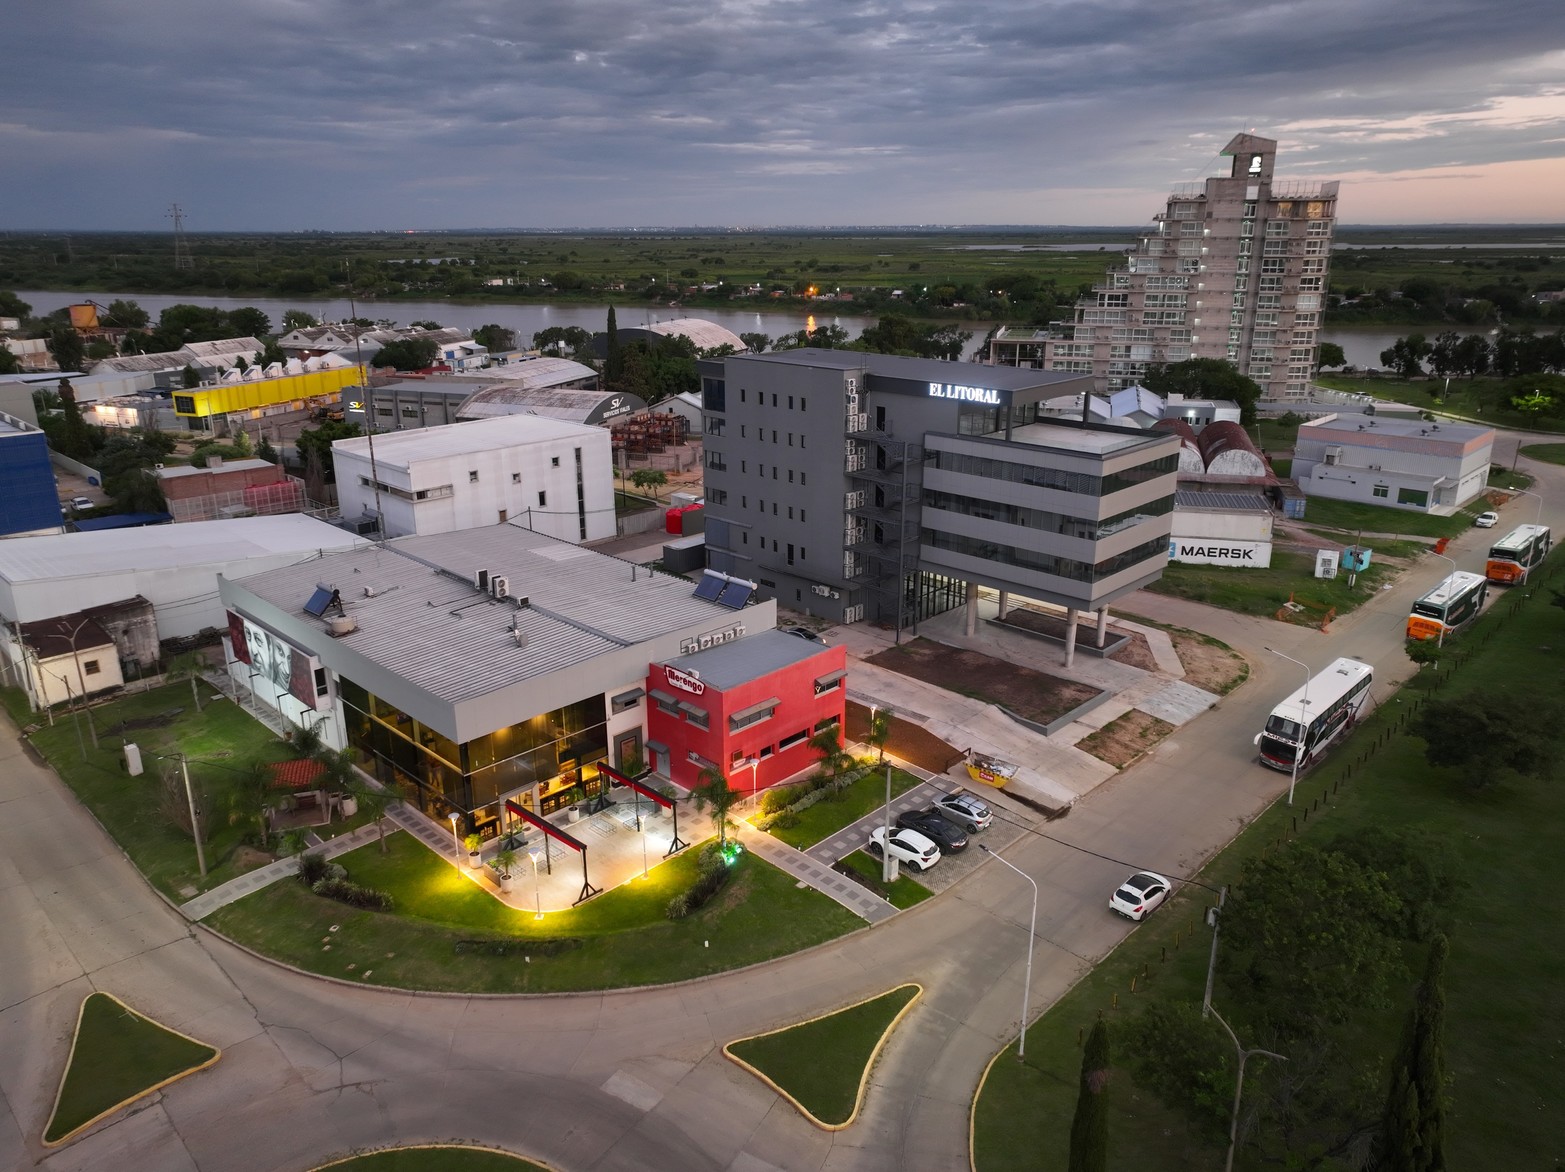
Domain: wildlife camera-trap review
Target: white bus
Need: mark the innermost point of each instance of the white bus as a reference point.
(1448, 607)
(1315, 715)
(1515, 554)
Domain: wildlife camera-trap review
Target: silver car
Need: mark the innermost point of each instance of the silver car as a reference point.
(965, 810)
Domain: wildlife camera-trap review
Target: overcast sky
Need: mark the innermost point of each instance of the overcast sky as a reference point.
(298, 114)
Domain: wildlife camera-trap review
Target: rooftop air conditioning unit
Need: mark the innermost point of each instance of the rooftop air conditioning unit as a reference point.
(500, 587)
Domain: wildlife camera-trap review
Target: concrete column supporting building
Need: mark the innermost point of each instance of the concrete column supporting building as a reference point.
(1005, 604)
(972, 609)
(1072, 617)
(1103, 625)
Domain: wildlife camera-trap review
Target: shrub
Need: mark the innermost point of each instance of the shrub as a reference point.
(678, 907)
(352, 894)
(313, 867)
(780, 798)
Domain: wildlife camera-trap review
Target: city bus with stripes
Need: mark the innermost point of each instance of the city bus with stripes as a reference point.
(1449, 607)
(1514, 555)
(1308, 721)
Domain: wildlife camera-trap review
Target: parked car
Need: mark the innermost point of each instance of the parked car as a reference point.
(907, 846)
(802, 633)
(1486, 520)
(80, 503)
(947, 835)
(965, 810)
(1140, 895)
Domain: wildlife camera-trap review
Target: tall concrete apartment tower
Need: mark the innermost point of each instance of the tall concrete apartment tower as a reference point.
(1234, 268)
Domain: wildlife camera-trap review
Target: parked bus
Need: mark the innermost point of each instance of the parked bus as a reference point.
(1515, 554)
(1315, 715)
(1448, 607)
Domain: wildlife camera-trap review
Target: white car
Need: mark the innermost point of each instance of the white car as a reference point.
(1486, 520)
(82, 503)
(908, 846)
(1140, 895)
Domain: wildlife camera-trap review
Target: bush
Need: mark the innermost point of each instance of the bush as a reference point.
(352, 894)
(313, 867)
(780, 797)
(678, 907)
(713, 875)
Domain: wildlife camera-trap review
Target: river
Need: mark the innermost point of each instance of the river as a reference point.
(1362, 346)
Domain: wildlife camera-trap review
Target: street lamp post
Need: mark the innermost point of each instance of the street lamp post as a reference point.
(456, 843)
(1304, 712)
(1440, 638)
(81, 680)
(532, 857)
(887, 863)
(1244, 1056)
(1032, 940)
(1537, 515)
(195, 817)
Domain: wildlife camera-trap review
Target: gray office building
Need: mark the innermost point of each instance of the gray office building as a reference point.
(871, 487)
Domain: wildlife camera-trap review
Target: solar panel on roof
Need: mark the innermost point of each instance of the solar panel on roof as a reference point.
(319, 601)
(709, 587)
(735, 595)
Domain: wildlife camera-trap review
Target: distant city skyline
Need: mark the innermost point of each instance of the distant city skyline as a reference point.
(265, 115)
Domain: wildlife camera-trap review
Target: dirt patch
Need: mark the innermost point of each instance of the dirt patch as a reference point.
(1209, 664)
(1031, 694)
(910, 742)
(247, 858)
(1125, 738)
(161, 720)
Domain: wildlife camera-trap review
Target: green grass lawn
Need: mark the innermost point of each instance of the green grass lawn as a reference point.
(825, 818)
(1353, 516)
(1277, 435)
(118, 1056)
(446, 934)
(434, 1159)
(1501, 981)
(1262, 592)
(822, 1063)
(1383, 547)
(1548, 453)
(222, 741)
(905, 890)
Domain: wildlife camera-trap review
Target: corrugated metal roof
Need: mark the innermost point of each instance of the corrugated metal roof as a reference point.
(730, 664)
(443, 636)
(707, 335)
(1240, 501)
(168, 547)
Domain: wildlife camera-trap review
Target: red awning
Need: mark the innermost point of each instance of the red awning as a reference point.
(301, 773)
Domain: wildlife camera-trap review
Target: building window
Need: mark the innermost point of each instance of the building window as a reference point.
(625, 701)
(797, 738)
(719, 496)
(1382, 490)
(741, 431)
(802, 479)
(543, 499)
(823, 725)
(1412, 496)
(554, 462)
(91, 667)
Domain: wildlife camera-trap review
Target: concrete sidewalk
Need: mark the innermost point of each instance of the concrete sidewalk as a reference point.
(852, 895)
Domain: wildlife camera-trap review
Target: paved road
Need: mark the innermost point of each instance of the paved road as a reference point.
(629, 1080)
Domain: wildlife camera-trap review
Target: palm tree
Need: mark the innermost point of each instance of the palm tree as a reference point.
(834, 761)
(712, 789)
(250, 802)
(189, 665)
(308, 740)
(879, 730)
(375, 803)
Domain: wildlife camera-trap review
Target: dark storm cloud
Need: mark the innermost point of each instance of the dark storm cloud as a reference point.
(273, 113)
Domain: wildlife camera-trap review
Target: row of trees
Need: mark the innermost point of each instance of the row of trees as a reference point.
(1506, 353)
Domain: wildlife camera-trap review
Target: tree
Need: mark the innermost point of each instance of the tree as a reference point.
(835, 761)
(66, 346)
(315, 443)
(250, 803)
(298, 319)
(495, 338)
(1405, 355)
(712, 790)
(77, 438)
(265, 451)
(1330, 354)
(562, 338)
(408, 354)
(1484, 733)
(1412, 1133)
(1310, 935)
(649, 479)
(136, 492)
(1089, 1143)
(272, 353)
(9, 363)
(376, 804)
(189, 378)
(756, 342)
(189, 665)
(249, 322)
(13, 306)
(1206, 378)
(126, 315)
(879, 731)
(614, 359)
(417, 325)
(1185, 1060)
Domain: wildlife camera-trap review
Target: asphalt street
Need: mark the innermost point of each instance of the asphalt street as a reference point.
(633, 1079)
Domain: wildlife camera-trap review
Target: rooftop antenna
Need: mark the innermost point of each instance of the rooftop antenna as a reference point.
(181, 246)
(369, 418)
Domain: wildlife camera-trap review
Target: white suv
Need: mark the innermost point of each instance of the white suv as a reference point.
(907, 846)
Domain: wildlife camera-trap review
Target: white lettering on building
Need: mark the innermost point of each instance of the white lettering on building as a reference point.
(966, 394)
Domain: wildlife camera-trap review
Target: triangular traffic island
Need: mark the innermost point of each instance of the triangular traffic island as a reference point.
(822, 1065)
(117, 1057)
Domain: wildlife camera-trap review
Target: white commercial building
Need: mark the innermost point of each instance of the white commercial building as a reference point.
(175, 567)
(1223, 528)
(550, 475)
(1433, 467)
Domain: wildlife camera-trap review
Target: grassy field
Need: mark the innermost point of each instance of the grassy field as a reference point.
(434, 1159)
(1548, 453)
(1353, 516)
(446, 934)
(118, 1056)
(1263, 592)
(1501, 981)
(905, 891)
(825, 818)
(222, 742)
(822, 1063)
(1462, 397)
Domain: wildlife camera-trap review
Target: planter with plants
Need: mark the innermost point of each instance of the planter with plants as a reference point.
(504, 864)
(475, 850)
(575, 796)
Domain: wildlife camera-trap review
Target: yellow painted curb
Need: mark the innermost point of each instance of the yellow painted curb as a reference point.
(142, 1094)
(972, 1110)
(869, 1065)
(436, 1147)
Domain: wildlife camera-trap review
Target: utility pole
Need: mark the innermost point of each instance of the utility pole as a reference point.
(181, 246)
(195, 817)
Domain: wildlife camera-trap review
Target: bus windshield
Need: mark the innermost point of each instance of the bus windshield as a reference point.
(1429, 610)
(1279, 726)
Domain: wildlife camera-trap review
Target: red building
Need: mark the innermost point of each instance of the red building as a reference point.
(758, 699)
